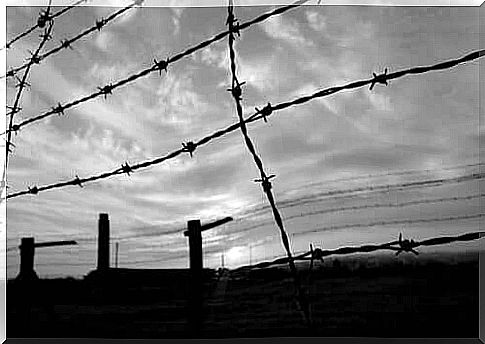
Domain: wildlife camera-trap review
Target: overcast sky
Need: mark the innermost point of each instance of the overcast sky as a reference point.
(424, 122)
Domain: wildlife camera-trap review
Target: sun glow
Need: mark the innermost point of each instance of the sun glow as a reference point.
(235, 254)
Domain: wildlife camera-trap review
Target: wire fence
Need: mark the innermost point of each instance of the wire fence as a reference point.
(22, 84)
(398, 246)
(259, 114)
(158, 66)
(67, 43)
(234, 29)
(43, 18)
(236, 92)
(367, 206)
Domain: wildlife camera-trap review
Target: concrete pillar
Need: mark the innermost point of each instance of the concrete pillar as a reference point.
(103, 242)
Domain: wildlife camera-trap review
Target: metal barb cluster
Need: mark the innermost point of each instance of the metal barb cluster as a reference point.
(189, 147)
(21, 83)
(126, 168)
(236, 89)
(406, 245)
(380, 79)
(77, 181)
(265, 182)
(33, 190)
(100, 23)
(59, 109)
(65, 43)
(265, 112)
(161, 65)
(105, 90)
(44, 18)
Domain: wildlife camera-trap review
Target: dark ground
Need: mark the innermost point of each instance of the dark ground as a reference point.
(386, 297)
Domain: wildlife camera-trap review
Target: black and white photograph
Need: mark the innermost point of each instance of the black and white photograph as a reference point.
(242, 169)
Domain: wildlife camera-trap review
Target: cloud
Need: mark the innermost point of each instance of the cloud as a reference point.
(282, 28)
(316, 20)
(177, 14)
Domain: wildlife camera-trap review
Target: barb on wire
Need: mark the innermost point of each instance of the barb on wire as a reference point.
(392, 246)
(380, 79)
(22, 84)
(406, 245)
(59, 109)
(105, 90)
(161, 65)
(126, 169)
(78, 181)
(189, 147)
(265, 112)
(67, 43)
(173, 59)
(44, 16)
(265, 179)
(43, 19)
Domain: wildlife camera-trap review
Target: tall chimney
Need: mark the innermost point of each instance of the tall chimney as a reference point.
(103, 242)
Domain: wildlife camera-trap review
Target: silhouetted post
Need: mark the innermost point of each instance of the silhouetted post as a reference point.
(194, 232)
(103, 242)
(27, 252)
(196, 266)
(116, 256)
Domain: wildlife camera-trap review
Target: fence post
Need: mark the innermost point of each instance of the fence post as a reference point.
(196, 265)
(27, 252)
(103, 242)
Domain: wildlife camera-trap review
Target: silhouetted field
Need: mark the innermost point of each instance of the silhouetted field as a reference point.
(359, 296)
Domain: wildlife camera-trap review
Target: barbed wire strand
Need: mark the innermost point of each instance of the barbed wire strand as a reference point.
(193, 145)
(405, 245)
(49, 18)
(391, 222)
(23, 84)
(389, 174)
(158, 66)
(236, 92)
(370, 189)
(366, 206)
(67, 43)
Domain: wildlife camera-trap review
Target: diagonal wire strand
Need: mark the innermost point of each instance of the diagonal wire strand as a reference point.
(366, 206)
(67, 43)
(51, 17)
(22, 84)
(203, 141)
(158, 66)
(367, 249)
(370, 189)
(265, 179)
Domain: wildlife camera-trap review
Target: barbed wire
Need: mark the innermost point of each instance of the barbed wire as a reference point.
(391, 222)
(390, 174)
(369, 189)
(236, 92)
(22, 84)
(193, 145)
(399, 246)
(67, 43)
(158, 66)
(43, 18)
(366, 206)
